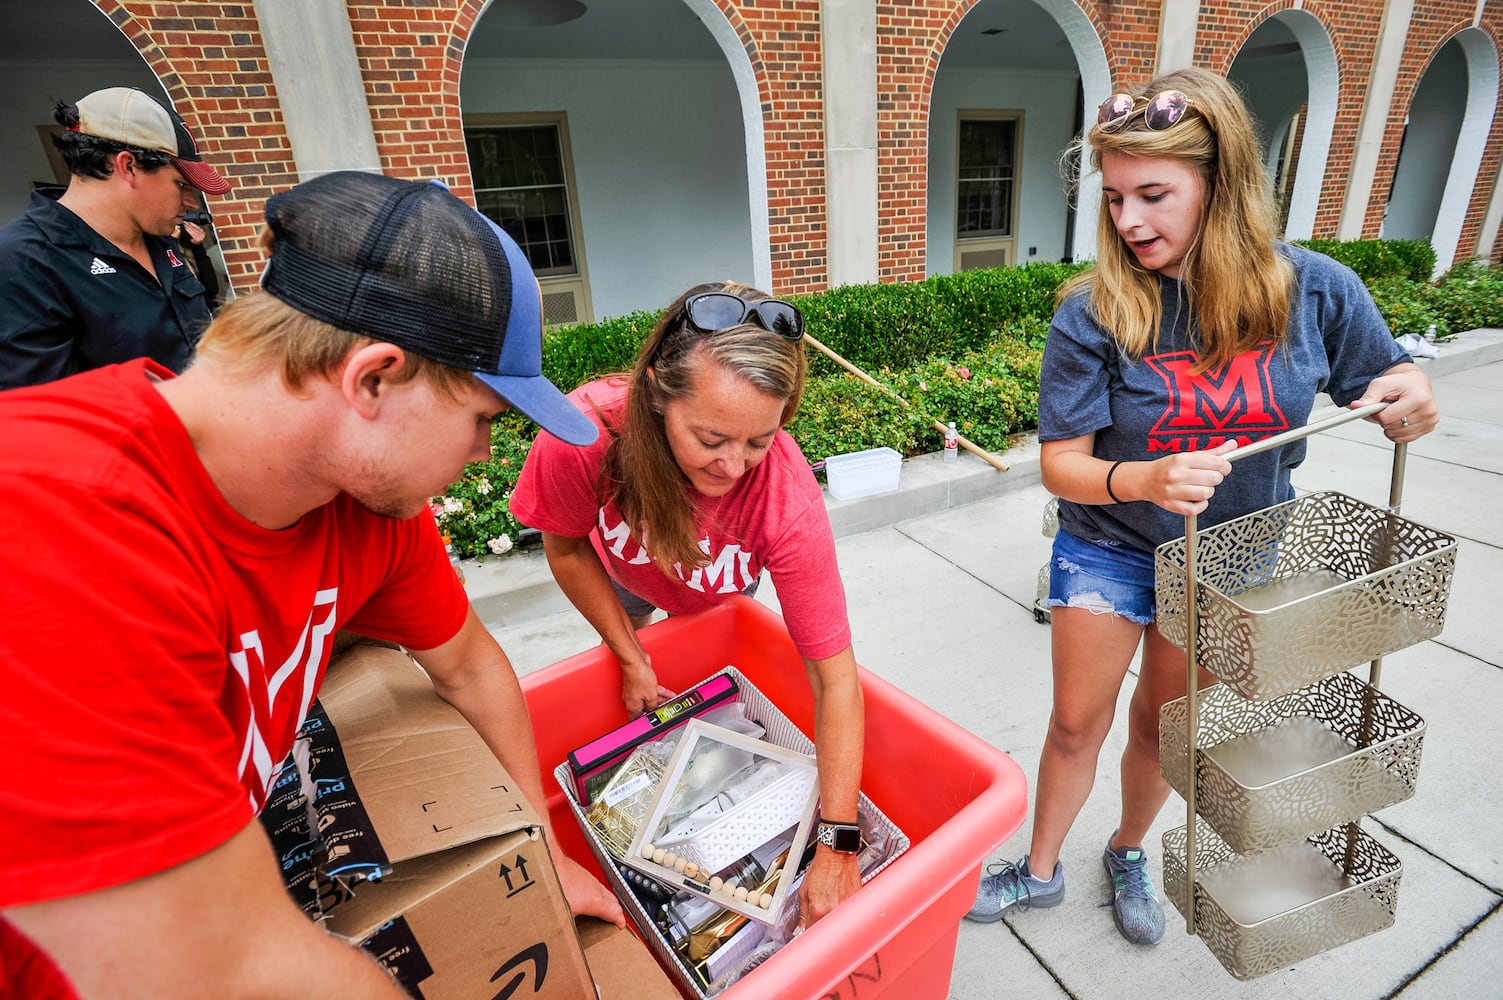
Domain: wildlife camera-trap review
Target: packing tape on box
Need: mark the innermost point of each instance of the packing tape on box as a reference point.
(352, 850)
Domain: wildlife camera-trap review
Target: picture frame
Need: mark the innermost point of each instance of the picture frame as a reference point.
(721, 815)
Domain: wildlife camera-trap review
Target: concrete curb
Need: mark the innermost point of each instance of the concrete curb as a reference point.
(519, 587)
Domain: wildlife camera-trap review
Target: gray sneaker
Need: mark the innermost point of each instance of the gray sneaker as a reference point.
(1135, 907)
(1007, 886)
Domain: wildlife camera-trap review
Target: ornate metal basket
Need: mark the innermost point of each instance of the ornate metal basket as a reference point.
(1295, 592)
(1272, 772)
(1267, 912)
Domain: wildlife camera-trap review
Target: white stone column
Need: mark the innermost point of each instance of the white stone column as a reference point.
(849, 33)
(311, 48)
(1376, 104)
(1177, 22)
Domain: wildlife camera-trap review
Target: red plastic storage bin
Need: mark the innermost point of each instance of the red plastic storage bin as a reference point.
(956, 797)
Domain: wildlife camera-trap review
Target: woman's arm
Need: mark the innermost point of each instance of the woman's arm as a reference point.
(840, 736)
(585, 583)
(1182, 483)
(1413, 412)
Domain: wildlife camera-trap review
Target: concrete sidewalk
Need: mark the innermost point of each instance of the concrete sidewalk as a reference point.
(941, 577)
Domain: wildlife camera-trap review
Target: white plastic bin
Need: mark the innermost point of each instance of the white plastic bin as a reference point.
(863, 473)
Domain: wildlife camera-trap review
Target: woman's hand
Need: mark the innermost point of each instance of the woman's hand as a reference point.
(831, 877)
(1412, 412)
(640, 690)
(1183, 483)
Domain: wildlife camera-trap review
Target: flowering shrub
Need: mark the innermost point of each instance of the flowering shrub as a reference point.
(475, 512)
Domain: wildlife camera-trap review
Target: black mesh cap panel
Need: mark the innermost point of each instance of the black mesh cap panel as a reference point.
(401, 261)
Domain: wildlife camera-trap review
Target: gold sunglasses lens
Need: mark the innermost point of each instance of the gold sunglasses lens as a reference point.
(1114, 111)
(1165, 110)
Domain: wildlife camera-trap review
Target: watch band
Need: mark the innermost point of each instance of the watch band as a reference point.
(842, 838)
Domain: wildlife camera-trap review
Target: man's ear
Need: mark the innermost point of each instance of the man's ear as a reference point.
(123, 163)
(365, 380)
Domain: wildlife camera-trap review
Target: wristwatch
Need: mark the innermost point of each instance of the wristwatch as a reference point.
(842, 838)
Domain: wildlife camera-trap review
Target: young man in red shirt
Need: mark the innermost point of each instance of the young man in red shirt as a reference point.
(177, 555)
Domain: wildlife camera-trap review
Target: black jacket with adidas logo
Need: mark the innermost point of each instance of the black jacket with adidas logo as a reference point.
(70, 300)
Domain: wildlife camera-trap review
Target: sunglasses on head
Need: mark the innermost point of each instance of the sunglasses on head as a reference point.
(1163, 110)
(716, 311)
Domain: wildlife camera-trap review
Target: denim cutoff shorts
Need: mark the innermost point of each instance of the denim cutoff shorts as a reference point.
(636, 606)
(1102, 577)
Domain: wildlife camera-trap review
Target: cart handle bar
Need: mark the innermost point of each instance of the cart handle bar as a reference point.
(1279, 440)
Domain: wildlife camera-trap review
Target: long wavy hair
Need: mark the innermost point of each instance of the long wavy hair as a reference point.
(640, 472)
(1237, 286)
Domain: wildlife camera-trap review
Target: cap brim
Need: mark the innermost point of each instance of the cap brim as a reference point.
(201, 175)
(547, 407)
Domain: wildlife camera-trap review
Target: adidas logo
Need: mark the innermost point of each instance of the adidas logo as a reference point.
(100, 267)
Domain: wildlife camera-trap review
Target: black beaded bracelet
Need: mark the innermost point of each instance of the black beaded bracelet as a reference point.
(1109, 482)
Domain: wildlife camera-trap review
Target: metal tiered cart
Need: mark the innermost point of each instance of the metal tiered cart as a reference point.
(1279, 761)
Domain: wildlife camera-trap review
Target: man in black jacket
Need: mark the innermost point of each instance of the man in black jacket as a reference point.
(94, 277)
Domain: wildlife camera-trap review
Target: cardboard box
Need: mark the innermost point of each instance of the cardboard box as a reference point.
(483, 920)
(443, 872)
(397, 772)
(623, 967)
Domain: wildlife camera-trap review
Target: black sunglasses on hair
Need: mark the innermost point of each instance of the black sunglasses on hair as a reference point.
(1163, 110)
(715, 311)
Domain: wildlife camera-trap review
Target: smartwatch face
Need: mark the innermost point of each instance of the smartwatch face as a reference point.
(845, 839)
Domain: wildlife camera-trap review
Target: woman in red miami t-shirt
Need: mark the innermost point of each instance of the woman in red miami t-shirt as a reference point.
(692, 491)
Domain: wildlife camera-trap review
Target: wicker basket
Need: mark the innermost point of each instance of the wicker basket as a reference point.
(1273, 772)
(1305, 589)
(778, 730)
(1267, 912)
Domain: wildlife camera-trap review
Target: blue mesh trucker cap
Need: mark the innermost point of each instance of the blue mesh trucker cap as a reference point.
(409, 263)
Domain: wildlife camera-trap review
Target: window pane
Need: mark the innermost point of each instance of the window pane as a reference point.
(985, 175)
(519, 180)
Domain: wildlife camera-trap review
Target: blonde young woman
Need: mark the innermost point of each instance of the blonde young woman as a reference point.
(690, 492)
(1196, 332)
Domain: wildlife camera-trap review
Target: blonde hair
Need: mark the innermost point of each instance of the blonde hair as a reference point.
(1237, 285)
(639, 471)
(258, 332)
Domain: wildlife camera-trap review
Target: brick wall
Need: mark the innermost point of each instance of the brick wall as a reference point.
(1433, 25)
(212, 63)
(211, 59)
(1492, 159)
(784, 43)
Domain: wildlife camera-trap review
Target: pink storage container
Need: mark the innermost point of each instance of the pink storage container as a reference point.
(955, 796)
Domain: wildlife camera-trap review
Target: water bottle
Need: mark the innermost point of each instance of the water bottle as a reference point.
(1430, 334)
(454, 558)
(952, 443)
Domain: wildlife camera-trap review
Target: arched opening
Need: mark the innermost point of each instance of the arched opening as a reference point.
(622, 148)
(1007, 101)
(1286, 71)
(55, 52)
(1445, 133)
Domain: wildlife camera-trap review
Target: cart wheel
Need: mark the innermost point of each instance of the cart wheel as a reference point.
(1041, 615)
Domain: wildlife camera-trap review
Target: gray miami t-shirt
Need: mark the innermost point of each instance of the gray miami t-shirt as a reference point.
(1150, 407)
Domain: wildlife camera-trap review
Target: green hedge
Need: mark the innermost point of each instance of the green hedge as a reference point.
(964, 347)
(1375, 260)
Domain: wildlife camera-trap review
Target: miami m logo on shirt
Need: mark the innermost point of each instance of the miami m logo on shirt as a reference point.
(293, 680)
(1232, 402)
(725, 572)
